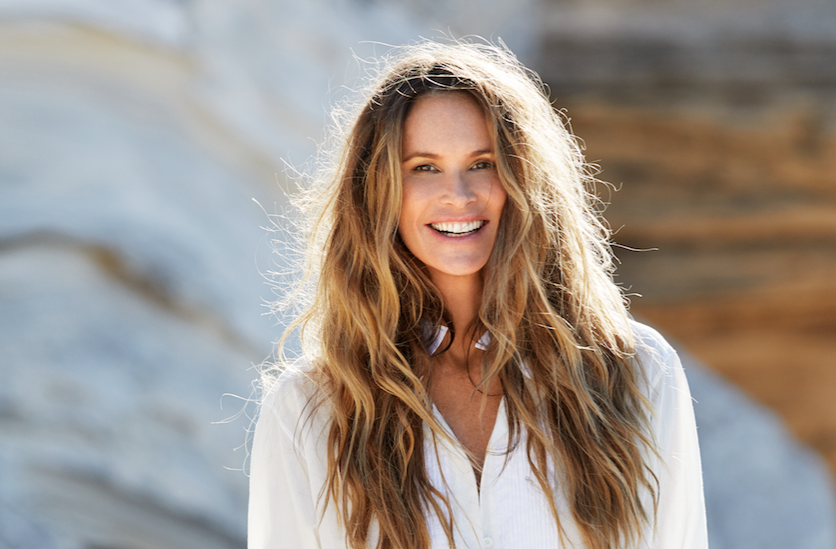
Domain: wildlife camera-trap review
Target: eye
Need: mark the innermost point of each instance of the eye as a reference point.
(424, 168)
(483, 165)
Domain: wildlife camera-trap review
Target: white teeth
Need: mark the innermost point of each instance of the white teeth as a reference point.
(458, 229)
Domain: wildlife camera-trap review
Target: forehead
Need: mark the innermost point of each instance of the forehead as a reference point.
(445, 119)
(450, 99)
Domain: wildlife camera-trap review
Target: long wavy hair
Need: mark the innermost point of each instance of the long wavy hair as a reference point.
(560, 340)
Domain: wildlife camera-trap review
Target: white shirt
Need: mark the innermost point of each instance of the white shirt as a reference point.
(288, 470)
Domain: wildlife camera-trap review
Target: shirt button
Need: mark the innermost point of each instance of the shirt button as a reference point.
(487, 542)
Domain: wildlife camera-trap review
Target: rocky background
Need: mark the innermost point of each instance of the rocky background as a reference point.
(718, 123)
(136, 134)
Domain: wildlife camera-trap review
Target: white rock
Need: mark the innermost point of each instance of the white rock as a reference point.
(763, 489)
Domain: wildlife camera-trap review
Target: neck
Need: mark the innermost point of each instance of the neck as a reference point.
(462, 298)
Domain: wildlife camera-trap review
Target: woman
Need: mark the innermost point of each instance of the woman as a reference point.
(474, 380)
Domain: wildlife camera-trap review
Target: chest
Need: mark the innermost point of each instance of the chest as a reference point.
(506, 508)
(469, 415)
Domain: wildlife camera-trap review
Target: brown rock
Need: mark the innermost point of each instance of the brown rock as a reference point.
(742, 220)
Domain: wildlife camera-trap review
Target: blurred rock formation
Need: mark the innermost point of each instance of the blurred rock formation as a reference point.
(718, 122)
(134, 136)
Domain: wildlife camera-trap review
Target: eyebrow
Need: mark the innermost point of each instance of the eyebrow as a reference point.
(421, 154)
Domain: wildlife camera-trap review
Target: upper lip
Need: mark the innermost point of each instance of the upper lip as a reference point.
(458, 219)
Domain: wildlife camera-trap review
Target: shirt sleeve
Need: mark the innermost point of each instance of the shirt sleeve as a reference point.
(282, 510)
(680, 518)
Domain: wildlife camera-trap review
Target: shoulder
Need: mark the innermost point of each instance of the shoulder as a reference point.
(288, 381)
(655, 358)
(649, 341)
(290, 397)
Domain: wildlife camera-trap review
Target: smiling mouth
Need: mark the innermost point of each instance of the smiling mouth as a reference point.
(458, 229)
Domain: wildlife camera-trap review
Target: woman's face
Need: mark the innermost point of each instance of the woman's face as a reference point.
(452, 196)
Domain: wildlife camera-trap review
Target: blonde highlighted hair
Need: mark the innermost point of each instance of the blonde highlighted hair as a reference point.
(560, 341)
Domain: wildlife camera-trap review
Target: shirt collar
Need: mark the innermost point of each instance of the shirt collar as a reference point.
(433, 336)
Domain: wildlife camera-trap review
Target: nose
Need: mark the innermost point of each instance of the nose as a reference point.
(458, 191)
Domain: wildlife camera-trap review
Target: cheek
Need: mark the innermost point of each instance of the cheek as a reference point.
(412, 202)
(498, 198)
(409, 213)
(406, 208)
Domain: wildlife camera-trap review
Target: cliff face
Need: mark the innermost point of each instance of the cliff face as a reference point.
(134, 138)
(718, 124)
(744, 222)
